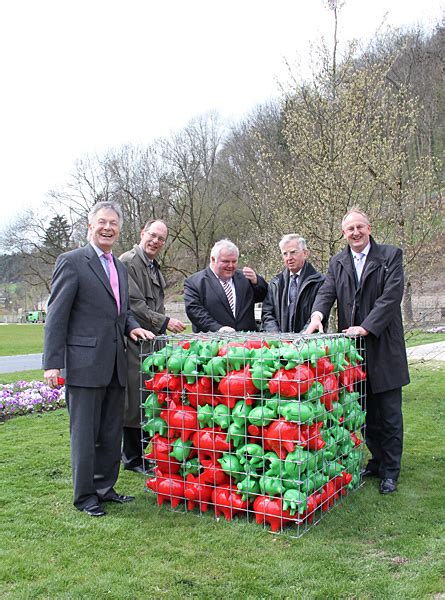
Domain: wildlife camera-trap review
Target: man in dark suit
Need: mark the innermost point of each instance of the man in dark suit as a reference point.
(222, 297)
(366, 279)
(87, 321)
(291, 294)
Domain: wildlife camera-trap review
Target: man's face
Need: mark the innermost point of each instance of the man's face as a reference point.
(293, 256)
(225, 265)
(104, 230)
(153, 239)
(356, 231)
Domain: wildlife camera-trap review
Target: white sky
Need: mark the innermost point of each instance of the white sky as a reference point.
(81, 76)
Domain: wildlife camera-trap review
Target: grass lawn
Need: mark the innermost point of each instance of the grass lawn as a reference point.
(368, 547)
(36, 375)
(28, 339)
(21, 339)
(419, 338)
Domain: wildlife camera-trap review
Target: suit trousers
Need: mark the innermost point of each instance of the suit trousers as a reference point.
(132, 447)
(384, 432)
(96, 417)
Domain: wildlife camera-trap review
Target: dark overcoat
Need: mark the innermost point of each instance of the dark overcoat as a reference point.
(275, 310)
(375, 305)
(146, 290)
(207, 306)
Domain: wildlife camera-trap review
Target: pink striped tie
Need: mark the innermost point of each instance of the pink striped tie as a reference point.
(114, 280)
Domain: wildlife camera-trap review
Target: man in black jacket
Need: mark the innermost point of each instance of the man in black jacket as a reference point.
(366, 279)
(291, 294)
(222, 297)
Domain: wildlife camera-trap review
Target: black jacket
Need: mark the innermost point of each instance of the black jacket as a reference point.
(275, 316)
(375, 305)
(207, 306)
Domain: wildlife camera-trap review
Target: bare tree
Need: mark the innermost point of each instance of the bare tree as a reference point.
(38, 240)
(255, 157)
(192, 188)
(352, 134)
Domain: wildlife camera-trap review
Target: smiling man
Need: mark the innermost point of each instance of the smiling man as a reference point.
(366, 279)
(87, 320)
(222, 297)
(291, 293)
(146, 289)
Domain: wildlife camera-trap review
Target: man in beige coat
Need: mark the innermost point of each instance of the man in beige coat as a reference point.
(146, 292)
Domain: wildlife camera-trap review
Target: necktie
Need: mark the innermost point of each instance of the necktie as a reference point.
(293, 293)
(114, 280)
(229, 293)
(359, 264)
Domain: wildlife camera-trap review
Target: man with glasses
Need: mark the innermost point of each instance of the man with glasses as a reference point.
(146, 290)
(288, 305)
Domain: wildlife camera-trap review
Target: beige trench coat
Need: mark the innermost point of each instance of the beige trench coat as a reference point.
(146, 292)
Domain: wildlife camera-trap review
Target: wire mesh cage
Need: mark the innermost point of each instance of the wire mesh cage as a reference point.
(269, 427)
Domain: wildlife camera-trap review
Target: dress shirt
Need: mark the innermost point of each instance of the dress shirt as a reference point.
(101, 254)
(232, 285)
(359, 260)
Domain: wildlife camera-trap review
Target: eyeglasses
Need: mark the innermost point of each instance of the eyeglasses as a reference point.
(155, 236)
(352, 228)
(291, 252)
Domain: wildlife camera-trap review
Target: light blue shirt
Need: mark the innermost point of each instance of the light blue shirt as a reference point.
(101, 254)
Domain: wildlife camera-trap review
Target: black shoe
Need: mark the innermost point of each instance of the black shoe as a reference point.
(367, 472)
(136, 469)
(94, 510)
(387, 486)
(119, 498)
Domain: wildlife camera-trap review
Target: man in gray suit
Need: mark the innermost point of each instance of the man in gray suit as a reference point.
(87, 321)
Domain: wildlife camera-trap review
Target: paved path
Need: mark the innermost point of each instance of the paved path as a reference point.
(21, 362)
(434, 351)
(26, 362)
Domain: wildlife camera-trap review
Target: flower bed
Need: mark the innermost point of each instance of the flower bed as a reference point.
(24, 397)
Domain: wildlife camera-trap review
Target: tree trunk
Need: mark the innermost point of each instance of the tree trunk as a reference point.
(407, 303)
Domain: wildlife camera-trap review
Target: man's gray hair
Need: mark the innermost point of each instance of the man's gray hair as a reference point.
(223, 245)
(293, 237)
(107, 205)
(355, 209)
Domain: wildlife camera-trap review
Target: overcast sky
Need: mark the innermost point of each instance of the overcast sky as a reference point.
(81, 76)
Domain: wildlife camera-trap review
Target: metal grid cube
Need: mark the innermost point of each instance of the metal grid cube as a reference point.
(268, 427)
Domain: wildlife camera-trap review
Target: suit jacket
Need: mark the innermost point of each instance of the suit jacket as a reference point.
(83, 331)
(275, 310)
(207, 306)
(375, 305)
(146, 291)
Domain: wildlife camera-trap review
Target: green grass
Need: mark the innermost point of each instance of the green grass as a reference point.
(419, 338)
(28, 339)
(21, 339)
(36, 375)
(368, 547)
